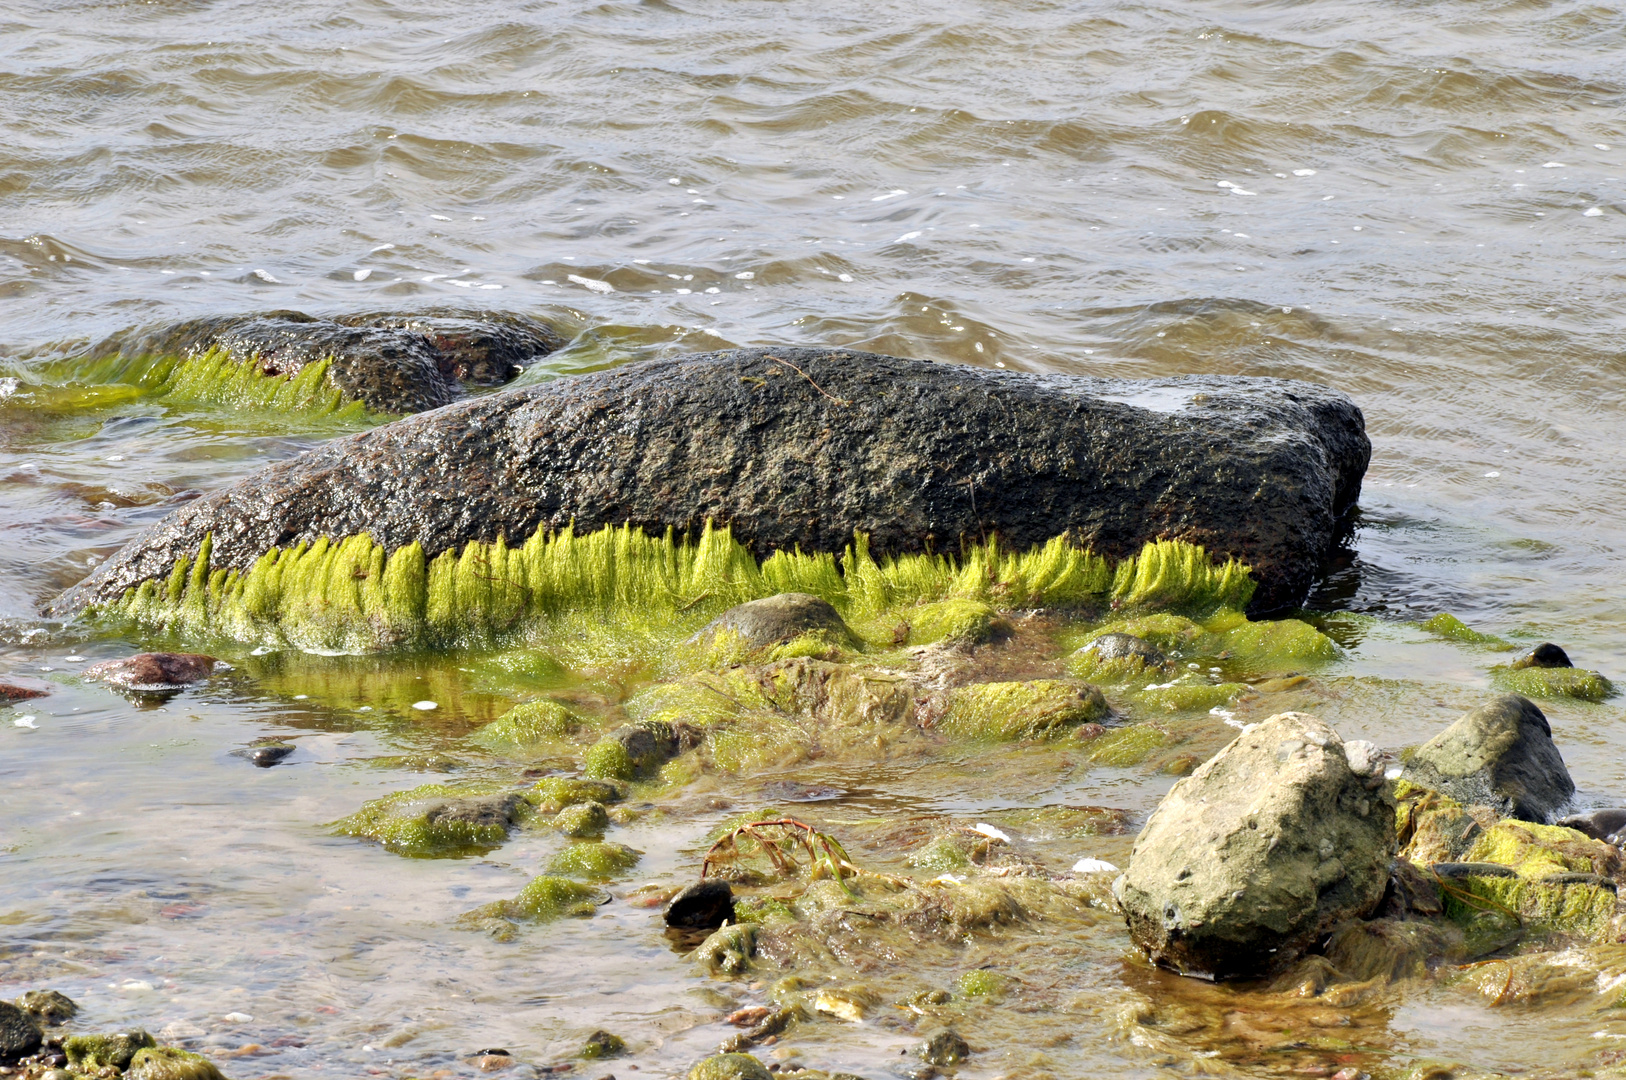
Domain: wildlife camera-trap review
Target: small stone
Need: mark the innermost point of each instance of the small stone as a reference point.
(88, 1052)
(1545, 655)
(1500, 754)
(705, 905)
(586, 820)
(20, 1033)
(263, 757)
(777, 619)
(492, 1060)
(13, 688)
(602, 1044)
(944, 1048)
(730, 1067)
(153, 671)
(48, 1006)
(1125, 646)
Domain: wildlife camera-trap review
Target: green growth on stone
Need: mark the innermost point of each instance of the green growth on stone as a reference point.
(1558, 887)
(1452, 628)
(957, 622)
(940, 856)
(762, 909)
(1536, 682)
(546, 898)
(553, 793)
(531, 724)
(171, 1063)
(584, 820)
(729, 1067)
(1192, 696)
(90, 1052)
(1127, 746)
(1021, 710)
(1273, 644)
(980, 983)
(221, 377)
(351, 594)
(602, 1044)
(595, 860)
(434, 820)
(608, 759)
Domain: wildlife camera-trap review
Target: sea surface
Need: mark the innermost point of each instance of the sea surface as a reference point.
(1423, 205)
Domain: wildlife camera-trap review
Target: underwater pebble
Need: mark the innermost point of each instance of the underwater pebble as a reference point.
(237, 1018)
(425, 706)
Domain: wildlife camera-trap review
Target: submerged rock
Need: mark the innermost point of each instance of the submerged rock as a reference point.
(13, 688)
(800, 447)
(1500, 754)
(48, 1006)
(1257, 855)
(705, 905)
(944, 1048)
(437, 820)
(171, 1063)
(729, 1067)
(777, 619)
(1125, 647)
(1545, 655)
(391, 362)
(20, 1033)
(153, 671)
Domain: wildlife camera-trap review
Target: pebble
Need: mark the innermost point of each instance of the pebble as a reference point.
(705, 905)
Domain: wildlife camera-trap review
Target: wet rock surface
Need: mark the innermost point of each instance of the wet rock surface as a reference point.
(20, 1033)
(776, 619)
(1607, 825)
(1124, 647)
(392, 362)
(1500, 754)
(803, 447)
(1258, 854)
(1545, 655)
(21, 688)
(701, 906)
(153, 671)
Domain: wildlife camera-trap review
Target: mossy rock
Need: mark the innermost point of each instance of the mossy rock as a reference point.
(956, 622)
(1021, 710)
(757, 743)
(728, 950)
(1562, 882)
(553, 793)
(546, 898)
(608, 759)
(1193, 696)
(87, 1053)
(762, 910)
(534, 723)
(1273, 645)
(595, 860)
(1086, 663)
(602, 1044)
(980, 983)
(587, 820)
(729, 1067)
(437, 820)
(172, 1063)
(1558, 682)
(1452, 628)
(1128, 746)
(941, 855)
(1173, 634)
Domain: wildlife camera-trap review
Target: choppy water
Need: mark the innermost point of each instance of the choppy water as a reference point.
(1421, 204)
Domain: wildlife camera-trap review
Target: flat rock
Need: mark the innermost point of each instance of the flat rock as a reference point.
(392, 362)
(777, 619)
(153, 671)
(1501, 755)
(1256, 856)
(796, 447)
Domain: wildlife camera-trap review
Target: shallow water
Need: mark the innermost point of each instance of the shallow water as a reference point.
(1421, 205)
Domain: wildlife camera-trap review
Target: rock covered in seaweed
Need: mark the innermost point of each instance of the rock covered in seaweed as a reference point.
(1500, 754)
(1262, 851)
(801, 448)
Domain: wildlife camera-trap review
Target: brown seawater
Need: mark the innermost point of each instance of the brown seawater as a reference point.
(1421, 205)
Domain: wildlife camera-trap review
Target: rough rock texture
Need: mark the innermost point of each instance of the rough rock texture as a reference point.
(1266, 848)
(1124, 646)
(392, 362)
(21, 688)
(1500, 754)
(48, 1006)
(800, 447)
(153, 671)
(701, 906)
(19, 1032)
(775, 619)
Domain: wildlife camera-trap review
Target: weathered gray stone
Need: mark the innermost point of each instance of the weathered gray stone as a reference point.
(1501, 755)
(776, 619)
(1266, 848)
(801, 447)
(1124, 646)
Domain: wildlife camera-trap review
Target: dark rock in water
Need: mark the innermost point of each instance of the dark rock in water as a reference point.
(484, 810)
(777, 619)
(1124, 646)
(15, 688)
(264, 757)
(944, 1048)
(1255, 857)
(801, 447)
(48, 1006)
(391, 362)
(20, 1033)
(1545, 655)
(1500, 754)
(153, 671)
(603, 1044)
(1605, 825)
(701, 906)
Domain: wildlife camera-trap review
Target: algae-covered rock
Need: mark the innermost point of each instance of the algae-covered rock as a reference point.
(1128, 746)
(171, 1063)
(602, 1044)
(955, 622)
(553, 793)
(729, 1067)
(777, 619)
(1561, 881)
(1273, 645)
(944, 1048)
(1500, 754)
(20, 1033)
(1021, 710)
(437, 820)
(594, 860)
(1258, 854)
(586, 820)
(1552, 682)
(729, 950)
(546, 898)
(1392, 949)
(1260, 469)
(88, 1052)
(529, 724)
(940, 856)
(1124, 647)
(1452, 628)
(632, 751)
(49, 1007)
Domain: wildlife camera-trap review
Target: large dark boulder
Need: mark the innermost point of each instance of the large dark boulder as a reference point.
(1502, 755)
(391, 362)
(795, 447)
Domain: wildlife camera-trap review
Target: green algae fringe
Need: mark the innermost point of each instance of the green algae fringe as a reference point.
(222, 377)
(350, 595)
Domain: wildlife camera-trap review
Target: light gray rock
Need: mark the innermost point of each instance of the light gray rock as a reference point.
(1500, 755)
(776, 619)
(1269, 846)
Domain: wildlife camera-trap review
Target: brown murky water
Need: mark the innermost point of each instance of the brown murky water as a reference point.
(1423, 205)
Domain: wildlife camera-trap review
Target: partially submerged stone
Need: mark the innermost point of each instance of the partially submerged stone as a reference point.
(437, 820)
(1553, 682)
(585, 820)
(955, 622)
(704, 905)
(1545, 655)
(802, 448)
(728, 950)
(1043, 708)
(20, 1032)
(1452, 628)
(594, 860)
(553, 793)
(1500, 754)
(1257, 855)
(777, 619)
(49, 1007)
(545, 898)
(21, 688)
(1118, 646)
(171, 1063)
(117, 1050)
(153, 671)
(602, 1044)
(729, 1067)
(530, 724)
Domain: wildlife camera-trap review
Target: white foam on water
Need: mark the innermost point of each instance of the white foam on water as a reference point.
(25, 722)
(591, 284)
(893, 194)
(746, 275)
(989, 831)
(1303, 172)
(1592, 211)
(265, 275)
(907, 236)
(440, 217)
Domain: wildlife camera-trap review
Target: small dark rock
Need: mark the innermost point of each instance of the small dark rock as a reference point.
(778, 619)
(484, 810)
(705, 905)
(1124, 646)
(944, 1048)
(1605, 825)
(264, 756)
(1500, 754)
(153, 671)
(603, 1044)
(20, 1033)
(1411, 891)
(1544, 655)
(48, 1006)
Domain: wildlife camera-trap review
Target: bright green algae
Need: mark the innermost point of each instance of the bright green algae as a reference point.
(351, 595)
(416, 822)
(220, 377)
